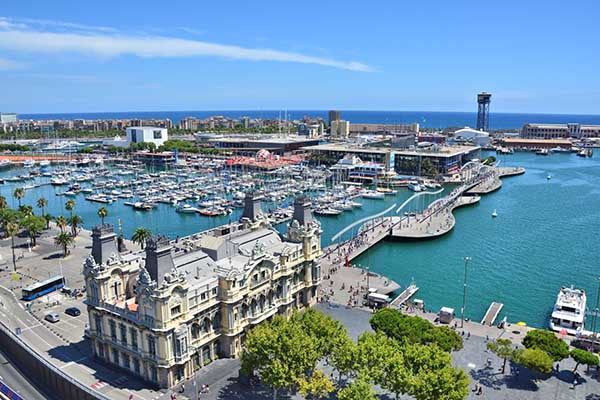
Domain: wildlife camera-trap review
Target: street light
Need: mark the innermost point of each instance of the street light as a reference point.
(596, 311)
(462, 314)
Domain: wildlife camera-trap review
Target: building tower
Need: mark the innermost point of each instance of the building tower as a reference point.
(483, 111)
(334, 116)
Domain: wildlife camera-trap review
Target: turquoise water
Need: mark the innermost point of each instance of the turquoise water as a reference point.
(546, 235)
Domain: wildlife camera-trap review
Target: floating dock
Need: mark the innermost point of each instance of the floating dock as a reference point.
(492, 313)
(404, 296)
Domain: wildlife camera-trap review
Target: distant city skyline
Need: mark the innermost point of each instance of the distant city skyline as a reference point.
(432, 56)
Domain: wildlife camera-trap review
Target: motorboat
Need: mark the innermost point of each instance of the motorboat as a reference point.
(29, 163)
(415, 186)
(559, 149)
(569, 311)
(370, 194)
(44, 163)
(5, 164)
(186, 208)
(58, 181)
(494, 214)
(327, 211)
(585, 153)
(542, 152)
(549, 177)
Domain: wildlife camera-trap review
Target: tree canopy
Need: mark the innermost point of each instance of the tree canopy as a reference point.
(415, 329)
(548, 342)
(503, 348)
(583, 357)
(536, 360)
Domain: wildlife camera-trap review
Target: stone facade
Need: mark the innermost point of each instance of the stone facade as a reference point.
(164, 312)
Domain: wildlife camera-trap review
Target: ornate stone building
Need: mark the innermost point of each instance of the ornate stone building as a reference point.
(168, 310)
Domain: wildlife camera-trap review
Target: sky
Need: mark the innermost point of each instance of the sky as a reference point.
(534, 56)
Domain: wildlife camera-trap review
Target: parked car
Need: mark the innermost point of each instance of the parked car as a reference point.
(52, 317)
(73, 311)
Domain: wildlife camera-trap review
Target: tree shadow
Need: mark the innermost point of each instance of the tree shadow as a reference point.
(236, 390)
(593, 396)
(54, 256)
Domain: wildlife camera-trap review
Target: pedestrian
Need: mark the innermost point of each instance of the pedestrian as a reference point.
(480, 391)
(557, 367)
(182, 388)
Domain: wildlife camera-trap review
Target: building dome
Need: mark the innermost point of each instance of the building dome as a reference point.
(263, 154)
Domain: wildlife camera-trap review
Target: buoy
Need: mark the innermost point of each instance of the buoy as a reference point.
(494, 214)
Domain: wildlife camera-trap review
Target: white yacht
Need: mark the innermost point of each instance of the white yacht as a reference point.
(29, 163)
(186, 208)
(5, 164)
(569, 311)
(414, 186)
(371, 194)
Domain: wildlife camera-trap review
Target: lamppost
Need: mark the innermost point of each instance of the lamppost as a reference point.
(596, 311)
(462, 313)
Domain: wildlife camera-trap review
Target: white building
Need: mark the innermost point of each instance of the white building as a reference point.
(479, 138)
(340, 129)
(558, 131)
(7, 118)
(147, 134)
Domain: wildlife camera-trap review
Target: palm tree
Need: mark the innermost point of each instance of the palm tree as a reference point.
(26, 210)
(75, 221)
(70, 205)
(12, 228)
(3, 203)
(102, 213)
(34, 225)
(64, 240)
(42, 203)
(140, 235)
(61, 222)
(48, 218)
(18, 194)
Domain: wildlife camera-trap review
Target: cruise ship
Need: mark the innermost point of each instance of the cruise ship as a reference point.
(569, 311)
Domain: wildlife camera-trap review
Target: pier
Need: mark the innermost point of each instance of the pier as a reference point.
(405, 296)
(492, 313)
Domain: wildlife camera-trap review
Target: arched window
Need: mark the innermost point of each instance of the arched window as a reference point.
(195, 331)
(206, 325)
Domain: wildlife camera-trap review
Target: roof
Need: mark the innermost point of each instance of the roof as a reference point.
(534, 141)
(442, 151)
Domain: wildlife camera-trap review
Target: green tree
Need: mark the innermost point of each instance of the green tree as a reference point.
(317, 386)
(583, 357)
(373, 351)
(281, 352)
(64, 240)
(536, 360)
(12, 229)
(9, 215)
(75, 221)
(48, 218)
(61, 222)
(431, 375)
(18, 194)
(3, 202)
(503, 348)
(42, 203)
(34, 225)
(102, 213)
(548, 342)
(26, 210)
(140, 235)
(357, 390)
(414, 329)
(70, 206)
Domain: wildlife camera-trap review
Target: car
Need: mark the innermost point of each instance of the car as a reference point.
(73, 311)
(52, 317)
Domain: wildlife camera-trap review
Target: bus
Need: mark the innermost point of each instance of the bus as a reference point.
(41, 288)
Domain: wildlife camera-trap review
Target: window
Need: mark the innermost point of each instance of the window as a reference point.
(133, 334)
(203, 296)
(157, 134)
(214, 291)
(123, 330)
(136, 366)
(126, 362)
(152, 346)
(153, 374)
(98, 321)
(115, 354)
(175, 310)
(113, 329)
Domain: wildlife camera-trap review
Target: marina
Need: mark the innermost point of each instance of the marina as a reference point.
(159, 194)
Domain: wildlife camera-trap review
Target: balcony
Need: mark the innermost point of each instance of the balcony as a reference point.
(269, 312)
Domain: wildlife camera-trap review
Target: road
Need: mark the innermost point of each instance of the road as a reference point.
(12, 377)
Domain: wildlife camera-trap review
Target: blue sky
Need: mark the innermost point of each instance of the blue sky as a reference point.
(67, 56)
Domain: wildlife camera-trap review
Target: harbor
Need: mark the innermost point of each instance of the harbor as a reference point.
(499, 264)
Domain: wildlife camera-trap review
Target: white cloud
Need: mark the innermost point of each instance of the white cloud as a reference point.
(112, 45)
(8, 65)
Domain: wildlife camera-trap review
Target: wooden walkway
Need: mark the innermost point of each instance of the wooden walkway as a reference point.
(404, 296)
(492, 313)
